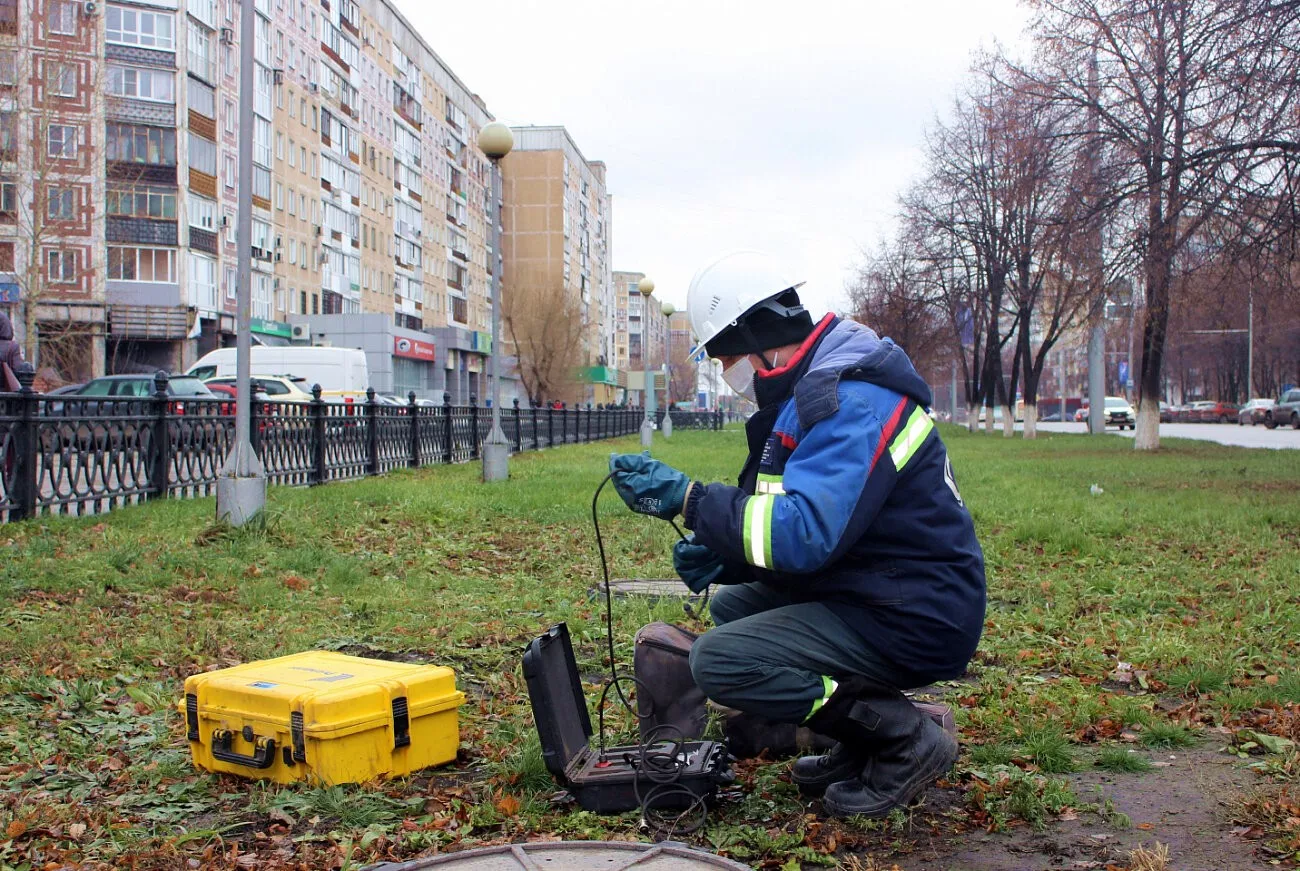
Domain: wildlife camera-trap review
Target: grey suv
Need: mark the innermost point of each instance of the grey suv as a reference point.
(1285, 411)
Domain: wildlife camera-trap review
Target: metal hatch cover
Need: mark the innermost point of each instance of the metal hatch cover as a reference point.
(571, 856)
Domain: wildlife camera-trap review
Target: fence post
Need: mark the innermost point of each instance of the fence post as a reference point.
(588, 421)
(447, 436)
(537, 442)
(550, 425)
(372, 433)
(318, 434)
(473, 424)
(414, 411)
(519, 431)
(160, 468)
(26, 445)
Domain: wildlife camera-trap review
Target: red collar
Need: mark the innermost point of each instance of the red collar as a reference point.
(803, 349)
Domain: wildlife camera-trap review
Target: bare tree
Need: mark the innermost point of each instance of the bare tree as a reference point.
(546, 327)
(1195, 105)
(892, 294)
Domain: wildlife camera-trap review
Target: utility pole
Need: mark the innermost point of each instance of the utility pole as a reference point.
(496, 140)
(241, 487)
(1250, 346)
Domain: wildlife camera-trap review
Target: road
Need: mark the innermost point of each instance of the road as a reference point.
(1223, 433)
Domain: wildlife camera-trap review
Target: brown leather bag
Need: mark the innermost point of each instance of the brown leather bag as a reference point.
(665, 691)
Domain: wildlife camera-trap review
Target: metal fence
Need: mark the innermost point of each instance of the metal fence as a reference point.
(74, 455)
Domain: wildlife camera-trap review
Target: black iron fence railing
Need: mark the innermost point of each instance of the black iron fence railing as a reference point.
(74, 455)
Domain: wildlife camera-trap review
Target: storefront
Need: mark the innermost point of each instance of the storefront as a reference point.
(399, 361)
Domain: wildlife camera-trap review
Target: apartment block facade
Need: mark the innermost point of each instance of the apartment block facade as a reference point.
(640, 336)
(557, 246)
(119, 132)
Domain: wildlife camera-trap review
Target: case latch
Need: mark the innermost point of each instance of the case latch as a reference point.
(191, 717)
(401, 723)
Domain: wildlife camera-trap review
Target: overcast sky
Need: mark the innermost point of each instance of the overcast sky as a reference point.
(789, 127)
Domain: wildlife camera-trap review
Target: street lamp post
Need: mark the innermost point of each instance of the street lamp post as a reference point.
(668, 308)
(646, 287)
(496, 140)
(241, 486)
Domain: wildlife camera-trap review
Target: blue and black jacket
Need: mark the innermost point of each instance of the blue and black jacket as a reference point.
(848, 498)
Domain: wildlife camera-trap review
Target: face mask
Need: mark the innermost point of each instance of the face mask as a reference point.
(740, 378)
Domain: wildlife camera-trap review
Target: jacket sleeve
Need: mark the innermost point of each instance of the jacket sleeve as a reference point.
(834, 483)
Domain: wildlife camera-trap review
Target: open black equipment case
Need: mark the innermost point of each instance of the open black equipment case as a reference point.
(625, 777)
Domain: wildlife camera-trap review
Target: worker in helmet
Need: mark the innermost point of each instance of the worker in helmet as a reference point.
(849, 563)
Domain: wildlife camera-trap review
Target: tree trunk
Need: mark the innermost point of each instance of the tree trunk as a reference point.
(1031, 420)
(1008, 421)
(1159, 267)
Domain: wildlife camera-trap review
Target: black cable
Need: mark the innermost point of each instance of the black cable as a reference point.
(662, 761)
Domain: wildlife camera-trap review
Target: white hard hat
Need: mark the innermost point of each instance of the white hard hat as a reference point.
(724, 290)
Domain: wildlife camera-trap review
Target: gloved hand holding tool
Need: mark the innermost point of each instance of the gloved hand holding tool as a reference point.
(696, 565)
(649, 486)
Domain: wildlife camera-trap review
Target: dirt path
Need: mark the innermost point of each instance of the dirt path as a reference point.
(1180, 804)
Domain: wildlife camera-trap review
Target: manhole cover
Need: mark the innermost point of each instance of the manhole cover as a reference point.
(571, 856)
(654, 588)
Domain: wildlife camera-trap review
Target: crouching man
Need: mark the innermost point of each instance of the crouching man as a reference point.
(850, 565)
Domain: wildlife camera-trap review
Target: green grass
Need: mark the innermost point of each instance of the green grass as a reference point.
(1121, 759)
(1184, 569)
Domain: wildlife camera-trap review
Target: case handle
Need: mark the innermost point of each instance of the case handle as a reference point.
(263, 756)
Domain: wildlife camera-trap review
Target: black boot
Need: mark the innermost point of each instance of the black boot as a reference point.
(813, 774)
(909, 752)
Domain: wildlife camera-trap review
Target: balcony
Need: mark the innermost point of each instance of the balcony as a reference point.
(143, 231)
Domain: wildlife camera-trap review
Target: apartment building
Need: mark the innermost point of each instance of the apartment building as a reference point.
(640, 337)
(556, 248)
(369, 193)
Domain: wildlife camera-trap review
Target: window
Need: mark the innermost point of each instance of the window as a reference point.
(61, 204)
(61, 16)
(136, 143)
(8, 133)
(279, 196)
(129, 26)
(8, 66)
(62, 266)
(6, 256)
(61, 141)
(62, 80)
(202, 213)
(203, 155)
(142, 264)
(231, 284)
(279, 145)
(8, 199)
(230, 117)
(232, 172)
(203, 281)
(142, 84)
(203, 99)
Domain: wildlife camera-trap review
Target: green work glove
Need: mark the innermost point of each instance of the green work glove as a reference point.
(696, 565)
(649, 486)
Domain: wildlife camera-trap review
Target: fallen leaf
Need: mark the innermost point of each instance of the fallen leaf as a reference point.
(296, 582)
(76, 830)
(1146, 827)
(508, 805)
(15, 829)
(1271, 680)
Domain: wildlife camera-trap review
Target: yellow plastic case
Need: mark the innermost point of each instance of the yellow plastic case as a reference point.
(322, 716)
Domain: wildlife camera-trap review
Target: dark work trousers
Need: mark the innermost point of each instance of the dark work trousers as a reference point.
(776, 658)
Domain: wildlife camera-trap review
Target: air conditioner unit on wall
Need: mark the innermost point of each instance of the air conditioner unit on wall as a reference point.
(227, 36)
(301, 332)
(89, 8)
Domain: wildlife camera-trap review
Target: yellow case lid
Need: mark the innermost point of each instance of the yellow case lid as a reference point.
(332, 690)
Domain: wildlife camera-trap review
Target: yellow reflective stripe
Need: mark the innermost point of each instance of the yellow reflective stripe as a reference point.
(907, 441)
(758, 530)
(770, 484)
(828, 689)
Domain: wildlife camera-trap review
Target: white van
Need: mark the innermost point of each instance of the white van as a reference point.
(336, 370)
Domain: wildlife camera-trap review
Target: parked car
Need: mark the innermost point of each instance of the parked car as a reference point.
(1081, 414)
(1199, 412)
(141, 386)
(277, 388)
(1218, 412)
(1285, 411)
(1253, 412)
(1166, 412)
(1118, 413)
